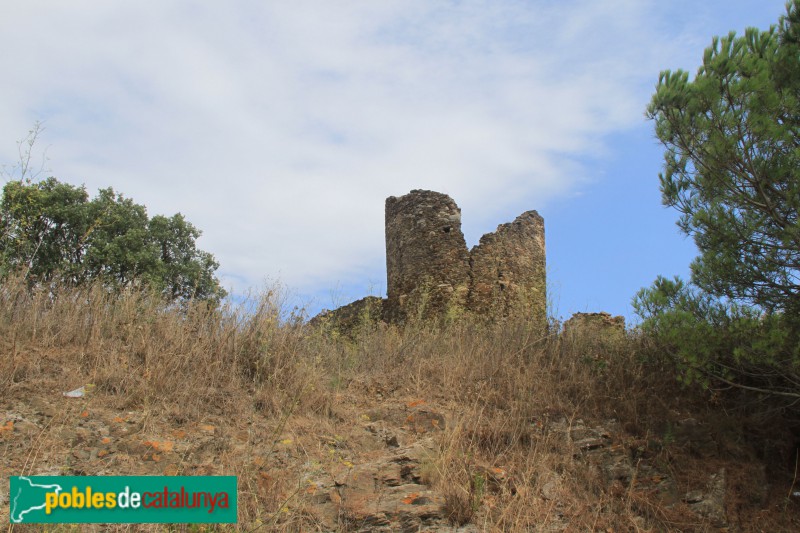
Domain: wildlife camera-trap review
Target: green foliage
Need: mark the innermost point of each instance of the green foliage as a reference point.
(732, 163)
(732, 169)
(714, 338)
(477, 491)
(52, 231)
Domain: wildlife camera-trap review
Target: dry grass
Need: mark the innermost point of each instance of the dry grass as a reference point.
(502, 386)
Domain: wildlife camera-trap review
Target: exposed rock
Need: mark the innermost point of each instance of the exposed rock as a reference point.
(425, 421)
(389, 437)
(416, 417)
(581, 437)
(551, 487)
(381, 473)
(18, 424)
(711, 502)
(387, 494)
(617, 465)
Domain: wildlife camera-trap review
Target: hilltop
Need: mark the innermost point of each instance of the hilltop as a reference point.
(464, 427)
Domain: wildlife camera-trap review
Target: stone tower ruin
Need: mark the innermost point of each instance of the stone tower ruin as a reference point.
(507, 269)
(427, 264)
(430, 272)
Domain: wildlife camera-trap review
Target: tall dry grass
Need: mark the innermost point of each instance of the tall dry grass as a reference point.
(141, 349)
(137, 346)
(503, 383)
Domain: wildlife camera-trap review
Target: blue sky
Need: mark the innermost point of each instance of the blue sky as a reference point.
(279, 128)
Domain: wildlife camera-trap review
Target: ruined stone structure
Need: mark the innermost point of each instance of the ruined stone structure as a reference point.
(508, 269)
(596, 333)
(349, 319)
(431, 274)
(427, 264)
(595, 323)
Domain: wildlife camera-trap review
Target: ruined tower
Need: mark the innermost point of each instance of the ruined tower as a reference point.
(427, 264)
(507, 270)
(430, 273)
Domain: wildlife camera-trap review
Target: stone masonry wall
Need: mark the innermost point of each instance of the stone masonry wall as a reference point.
(427, 264)
(508, 270)
(430, 272)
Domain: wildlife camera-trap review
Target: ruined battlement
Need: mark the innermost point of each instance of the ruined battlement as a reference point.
(431, 272)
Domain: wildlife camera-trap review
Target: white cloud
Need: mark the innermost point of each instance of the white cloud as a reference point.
(279, 128)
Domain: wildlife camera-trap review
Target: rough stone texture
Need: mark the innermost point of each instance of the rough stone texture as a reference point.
(507, 270)
(427, 264)
(592, 323)
(431, 273)
(596, 333)
(711, 502)
(389, 495)
(350, 318)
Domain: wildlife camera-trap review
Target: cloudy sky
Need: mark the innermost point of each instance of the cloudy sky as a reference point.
(279, 128)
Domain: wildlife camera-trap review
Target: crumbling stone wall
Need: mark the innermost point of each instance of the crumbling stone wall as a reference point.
(595, 324)
(431, 272)
(507, 270)
(595, 333)
(349, 319)
(427, 264)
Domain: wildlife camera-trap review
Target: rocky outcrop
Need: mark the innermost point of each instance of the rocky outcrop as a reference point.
(710, 503)
(380, 466)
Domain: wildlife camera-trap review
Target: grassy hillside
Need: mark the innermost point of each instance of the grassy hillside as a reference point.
(471, 427)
